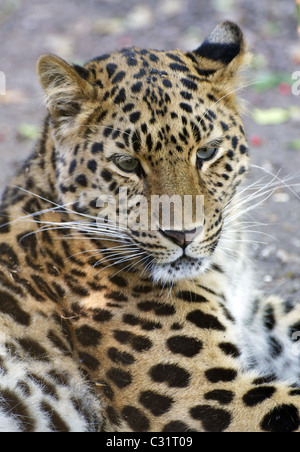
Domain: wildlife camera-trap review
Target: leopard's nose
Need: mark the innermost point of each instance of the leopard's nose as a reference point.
(181, 238)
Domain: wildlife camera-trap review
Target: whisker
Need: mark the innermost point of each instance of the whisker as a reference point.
(226, 233)
(226, 95)
(80, 227)
(64, 208)
(257, 193)
(100, 237)
(235, 252)
(127, 258)
(279, 179)
(244, 241)
(111, 254)
(267, 193)
(98, 251)
(273, 184)
(146, 267)
(38, 213)
(137, 263)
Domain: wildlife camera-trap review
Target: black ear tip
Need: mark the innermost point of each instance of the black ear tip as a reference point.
(224, 43)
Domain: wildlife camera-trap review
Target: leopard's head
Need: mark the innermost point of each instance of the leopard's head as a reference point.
(142, 131)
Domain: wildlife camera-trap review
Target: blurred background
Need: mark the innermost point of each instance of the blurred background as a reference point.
(78, 30)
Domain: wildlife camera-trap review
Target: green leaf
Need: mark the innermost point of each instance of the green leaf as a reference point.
(270, 116)
(224, 6)
(294, 112)
(264, 81)
(294, 145)
(28, 131)
(271, 29)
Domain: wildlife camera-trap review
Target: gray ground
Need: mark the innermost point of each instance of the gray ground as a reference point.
(79, 30)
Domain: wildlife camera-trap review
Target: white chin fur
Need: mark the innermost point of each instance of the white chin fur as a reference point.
(176, 271)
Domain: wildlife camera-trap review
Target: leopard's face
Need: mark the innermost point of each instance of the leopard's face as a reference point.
(154, 124)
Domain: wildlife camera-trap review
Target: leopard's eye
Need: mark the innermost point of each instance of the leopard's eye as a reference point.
(127, 164)
(206, 153)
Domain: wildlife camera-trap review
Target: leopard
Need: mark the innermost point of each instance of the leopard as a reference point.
(107, 327)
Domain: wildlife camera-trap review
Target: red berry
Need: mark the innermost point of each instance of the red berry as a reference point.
(284, 89)
(255, 140)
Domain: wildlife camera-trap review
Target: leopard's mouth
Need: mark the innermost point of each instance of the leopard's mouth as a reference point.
(182, 268)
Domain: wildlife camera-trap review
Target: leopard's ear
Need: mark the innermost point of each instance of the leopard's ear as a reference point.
(66, 86)
(223, 53)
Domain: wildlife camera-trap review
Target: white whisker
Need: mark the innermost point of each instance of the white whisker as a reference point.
(244, 241)
(226, 95)
(129, 267)
(288, 187)
(110, 258)
(102, 250)
(65, 209)
(227, 233)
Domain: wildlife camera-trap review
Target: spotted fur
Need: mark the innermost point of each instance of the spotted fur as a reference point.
(120, 330)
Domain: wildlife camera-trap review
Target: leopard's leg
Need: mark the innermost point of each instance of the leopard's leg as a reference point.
(41, 386)
(44, 398)
(269, 335)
